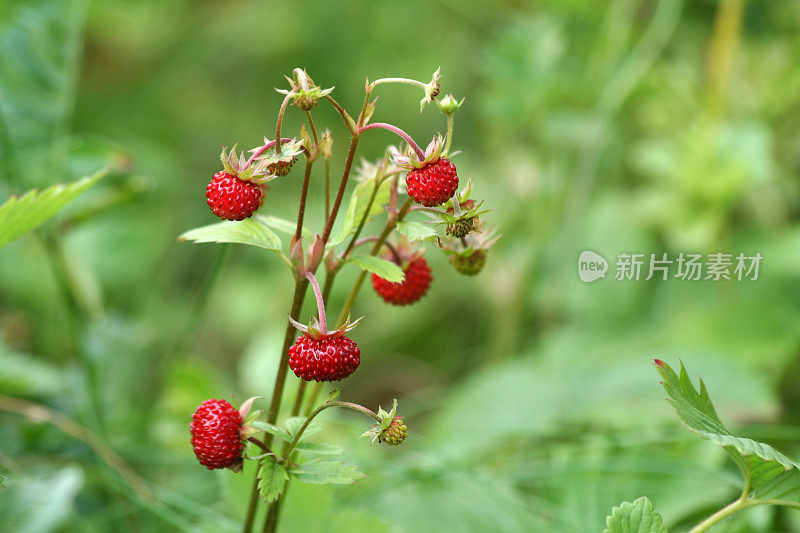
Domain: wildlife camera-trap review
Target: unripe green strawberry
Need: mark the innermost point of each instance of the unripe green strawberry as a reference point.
(463, 226)
(468, 263)
(395, 433)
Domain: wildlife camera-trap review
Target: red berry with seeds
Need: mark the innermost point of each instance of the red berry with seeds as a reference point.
(324, 358)
(432, 184)
(412, 288)
(215, 434)
(232, 198)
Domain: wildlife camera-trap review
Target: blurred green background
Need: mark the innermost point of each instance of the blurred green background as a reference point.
(532, 405)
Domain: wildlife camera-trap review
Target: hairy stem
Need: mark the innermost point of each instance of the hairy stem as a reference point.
(281, 112)
(351, 153)
(320, 302)
(346, 405)
(298, 232)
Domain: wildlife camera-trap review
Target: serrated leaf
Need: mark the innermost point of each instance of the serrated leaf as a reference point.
(272, 479)
(769, 473)
(326, 472)
(19, 215)
(416, 231)
(284, 226)
(637, 517)
(272, 430)
(383, 268)
(249, 231)
(357, 208)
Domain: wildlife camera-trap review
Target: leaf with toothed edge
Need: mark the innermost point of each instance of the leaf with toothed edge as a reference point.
(272, 479)
(326, 472)
(21, 214)
(636, 517)
(768, 473)
(383, 268)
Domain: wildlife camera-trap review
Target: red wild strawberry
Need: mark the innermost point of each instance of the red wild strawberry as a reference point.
(412, 288)
(325, 358)
(215, 434)
(320, 355)
(432, 184)
(232, 198)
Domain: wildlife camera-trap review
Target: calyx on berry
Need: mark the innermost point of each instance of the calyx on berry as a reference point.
(468, 254)
(410, 160)
(237, 166)
(389, 429)
(317, 328)
(304, 93)
(278, 161)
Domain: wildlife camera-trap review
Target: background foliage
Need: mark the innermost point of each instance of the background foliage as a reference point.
(648, 126)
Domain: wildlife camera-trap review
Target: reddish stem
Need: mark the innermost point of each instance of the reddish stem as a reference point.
(394, 129)
(320, 302)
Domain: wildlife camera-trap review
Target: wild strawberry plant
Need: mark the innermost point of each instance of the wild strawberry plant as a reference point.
(770, 477)
(404, 184)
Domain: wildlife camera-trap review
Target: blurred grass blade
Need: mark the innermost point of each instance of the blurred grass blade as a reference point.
(636, 517)
(19, 215)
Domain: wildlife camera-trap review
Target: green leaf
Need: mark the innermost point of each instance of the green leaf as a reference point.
(416, 231)
(40, 49)
(383, 268)
(294, 423)
(284, 226)
(357, 208)
(19, 215)
(24, 375)
(327, 472)
(636, 517)
(272, 430)
(249, 231)
(272, 479)
(769, 474)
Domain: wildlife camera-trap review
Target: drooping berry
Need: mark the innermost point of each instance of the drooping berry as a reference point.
(325, 358)
(469, 264)
(412, 288)
(215, 434)
(282, 167)
(232, 198)
(395, 433)
(434, 183)
(463, 226)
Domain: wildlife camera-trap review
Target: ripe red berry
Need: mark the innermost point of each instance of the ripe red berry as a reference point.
(215, 434)
(232, 198)
(326, 358)
(433, 184)
(412, 288)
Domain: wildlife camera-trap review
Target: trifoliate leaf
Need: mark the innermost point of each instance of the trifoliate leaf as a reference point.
(383, 268)
(327, 472)
(21, 214)
(636, 517)
(272, 479)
